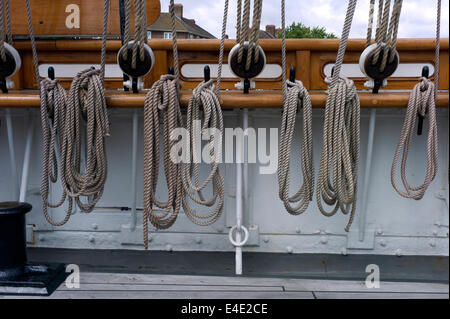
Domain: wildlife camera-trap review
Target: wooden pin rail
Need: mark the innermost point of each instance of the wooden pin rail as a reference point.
(228, 99)
(309, 56)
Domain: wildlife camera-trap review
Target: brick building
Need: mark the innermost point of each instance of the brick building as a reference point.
(186, 28)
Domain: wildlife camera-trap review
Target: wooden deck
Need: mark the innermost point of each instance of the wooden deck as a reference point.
(144, 286)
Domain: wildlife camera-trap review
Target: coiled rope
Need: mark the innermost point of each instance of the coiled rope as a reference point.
(338, 172)
(422, 102)
(295, 96)
(203, 97)
(140, 19)
(245, 33)
(5, 37)
(163, 99)
(386, 32)
(62, 115)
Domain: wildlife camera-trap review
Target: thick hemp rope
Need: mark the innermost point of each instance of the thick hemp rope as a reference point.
(295, 96)
(5, 37)
(61, 119)
(140, 31)
(338, 172)
(207, 98)
(163, 99)
(246, 34)
(422, 102)
(386, 32)
(203, 97)
(222, 47)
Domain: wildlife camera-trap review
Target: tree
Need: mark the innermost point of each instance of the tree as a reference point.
(299, 30)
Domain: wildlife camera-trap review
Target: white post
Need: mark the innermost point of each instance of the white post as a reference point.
(134, 170)
(238, 205)
(26, 161)
(365, 190)
(12, 155)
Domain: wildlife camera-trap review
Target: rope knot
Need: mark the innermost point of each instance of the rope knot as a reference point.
(424, 83)
(49, 84)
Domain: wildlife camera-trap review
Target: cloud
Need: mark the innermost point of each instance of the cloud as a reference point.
(418, 19)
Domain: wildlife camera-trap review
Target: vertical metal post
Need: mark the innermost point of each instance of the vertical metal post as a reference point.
(26, 161)
(365, 190)
(134, 170)
(238, 204)
(12, 154)
(245, 168)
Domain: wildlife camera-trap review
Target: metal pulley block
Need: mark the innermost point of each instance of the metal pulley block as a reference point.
(9, 67)
(239, 70)
(142, 67)
(372, 70)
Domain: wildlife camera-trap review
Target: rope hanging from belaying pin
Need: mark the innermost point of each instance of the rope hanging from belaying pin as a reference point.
(381, 59)
(338, 172)
(135, 57)
(295, 96)
(163, 99)
(204, 97)
(62, 118)
(422, 103)
(10, 61)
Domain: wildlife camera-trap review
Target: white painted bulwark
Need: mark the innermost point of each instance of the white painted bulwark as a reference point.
(393, 225)
(404, 70)
(70, 70)
(195, 71)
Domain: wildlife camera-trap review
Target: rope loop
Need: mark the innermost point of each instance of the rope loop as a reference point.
(205, 113)
(295, 97)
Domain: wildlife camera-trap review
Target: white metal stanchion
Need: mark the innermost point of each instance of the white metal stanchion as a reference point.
(12, 154)
(365, 190)
(239, 229)
(134, 170)
(26, 161)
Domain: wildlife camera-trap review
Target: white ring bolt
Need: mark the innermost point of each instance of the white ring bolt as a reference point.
(242, 242)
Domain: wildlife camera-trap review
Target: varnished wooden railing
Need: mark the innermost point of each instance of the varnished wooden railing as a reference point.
(309, 56)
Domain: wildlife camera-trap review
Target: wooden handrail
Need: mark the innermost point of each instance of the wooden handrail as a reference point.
(229, 99)
(213, 45)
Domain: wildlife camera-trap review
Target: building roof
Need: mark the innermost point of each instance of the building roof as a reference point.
(265, 35)
(164, 23)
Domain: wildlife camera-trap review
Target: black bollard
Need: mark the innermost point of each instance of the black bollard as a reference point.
(17, 276)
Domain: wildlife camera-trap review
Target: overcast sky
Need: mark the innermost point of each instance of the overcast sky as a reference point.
(418, 18)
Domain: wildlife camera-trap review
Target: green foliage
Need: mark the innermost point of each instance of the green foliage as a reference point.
(299, 30)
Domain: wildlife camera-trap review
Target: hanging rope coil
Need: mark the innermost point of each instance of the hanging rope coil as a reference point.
(203, 97)
(162, 99)
(338, 172)
(295, 96)
(53, 102)
(62, 118)
(422, 102)
(86, 102)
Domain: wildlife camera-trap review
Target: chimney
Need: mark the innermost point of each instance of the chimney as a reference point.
(270, 29)
(277, 32)
(192, 20)
(178, 10)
